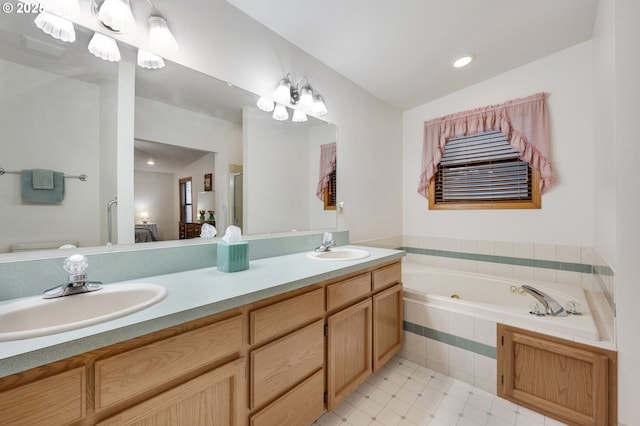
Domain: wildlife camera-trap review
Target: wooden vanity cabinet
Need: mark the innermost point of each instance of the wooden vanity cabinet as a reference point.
(281, 361)
(565, 380)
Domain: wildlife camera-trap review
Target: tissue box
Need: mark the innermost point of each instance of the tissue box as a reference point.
(233, 257)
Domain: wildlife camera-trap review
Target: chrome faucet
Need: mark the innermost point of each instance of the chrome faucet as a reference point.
(75, 265)
(551, 306)
(327, 243)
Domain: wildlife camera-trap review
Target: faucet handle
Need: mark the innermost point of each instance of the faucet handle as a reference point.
(327, 238)
(75, 264)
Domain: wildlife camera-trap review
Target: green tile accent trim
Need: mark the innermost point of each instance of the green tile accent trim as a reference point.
(519, 261)
(450, 339)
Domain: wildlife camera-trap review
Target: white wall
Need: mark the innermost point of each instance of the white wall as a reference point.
(49, 122)
(566, 216)
(219, 40)
(617, 232)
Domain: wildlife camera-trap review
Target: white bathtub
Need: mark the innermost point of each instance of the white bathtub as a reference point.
(492, 298)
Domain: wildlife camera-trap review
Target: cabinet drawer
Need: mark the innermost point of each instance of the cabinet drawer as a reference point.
(280, 365)
(128, 374)
(56, 400)
(289, 314)
(387, 276)
(341, 293)
(301, 406)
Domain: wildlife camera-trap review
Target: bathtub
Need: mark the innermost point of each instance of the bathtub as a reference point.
(492, 298)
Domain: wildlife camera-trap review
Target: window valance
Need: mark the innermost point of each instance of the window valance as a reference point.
(327, 166)
(523, 121)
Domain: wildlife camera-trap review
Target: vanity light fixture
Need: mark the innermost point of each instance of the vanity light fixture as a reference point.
(302, 96)
(56, 16)
(463, 61)
(149, 61)
(104, 47)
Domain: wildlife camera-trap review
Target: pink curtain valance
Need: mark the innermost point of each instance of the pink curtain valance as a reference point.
(523, 121)
(327, 166)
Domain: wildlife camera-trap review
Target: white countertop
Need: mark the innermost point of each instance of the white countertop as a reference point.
(191, 295)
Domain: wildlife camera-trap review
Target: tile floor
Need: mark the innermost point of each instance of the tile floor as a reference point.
(404, 393)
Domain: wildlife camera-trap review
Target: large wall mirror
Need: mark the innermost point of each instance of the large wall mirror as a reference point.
(62, 109)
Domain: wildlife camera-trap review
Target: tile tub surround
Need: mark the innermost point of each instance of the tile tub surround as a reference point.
(28, 274)
(454, 344)
(525, 261)
(191, 295)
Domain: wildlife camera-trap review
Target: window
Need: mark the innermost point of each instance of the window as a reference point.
(330, 193)
(483, 171)
(186, 200)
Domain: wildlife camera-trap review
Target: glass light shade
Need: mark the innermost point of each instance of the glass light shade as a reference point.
(160, 36)
(265, 104)
(299, 116)
(116, 14)
(149, 60)
(306, 98)
(104, 47)
(280, 113)
(283, 92)
(319, 108)
(56, 27)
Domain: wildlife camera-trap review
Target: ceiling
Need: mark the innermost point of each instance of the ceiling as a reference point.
(402, 51)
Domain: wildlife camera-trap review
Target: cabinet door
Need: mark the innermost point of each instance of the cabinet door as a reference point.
(349, 348)
(387, 325)
(561, 379)
(214, 398)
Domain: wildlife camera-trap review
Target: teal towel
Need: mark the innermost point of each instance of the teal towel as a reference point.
(42, 179)
(51, 196)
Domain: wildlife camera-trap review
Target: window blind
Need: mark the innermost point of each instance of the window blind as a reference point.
(482, 168)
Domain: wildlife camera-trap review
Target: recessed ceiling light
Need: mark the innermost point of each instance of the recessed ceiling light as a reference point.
(151, 162)
(463, 61)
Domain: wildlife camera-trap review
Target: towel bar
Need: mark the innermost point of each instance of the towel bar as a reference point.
(81, 177)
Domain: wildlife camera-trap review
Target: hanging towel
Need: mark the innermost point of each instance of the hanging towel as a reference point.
(52, 196)
(42, 179)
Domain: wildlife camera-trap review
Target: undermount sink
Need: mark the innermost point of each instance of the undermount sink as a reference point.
(36, 316)
(336, 254)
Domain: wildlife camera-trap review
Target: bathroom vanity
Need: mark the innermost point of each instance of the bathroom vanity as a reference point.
(277, 356)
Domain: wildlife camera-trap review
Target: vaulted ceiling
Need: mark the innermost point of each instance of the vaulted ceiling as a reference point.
(402, 50)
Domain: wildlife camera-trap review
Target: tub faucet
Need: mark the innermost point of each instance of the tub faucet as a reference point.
(327, 243)
(551, 306)
(75, 265)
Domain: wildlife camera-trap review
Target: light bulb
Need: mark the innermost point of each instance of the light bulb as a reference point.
(280, 113)
(116, 14)
(265, 104)
(283, 92)
(57, 27)
(104, 47)
(299, 116)
(160, 37)
(149, 60)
